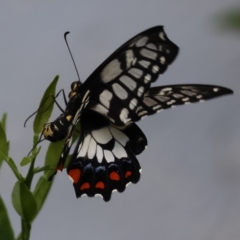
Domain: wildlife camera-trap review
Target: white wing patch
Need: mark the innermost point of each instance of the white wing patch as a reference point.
(92, 148)
(124, 115)
(128, 82)
(96, 143)
(85, 145)
(133, 103)
(111, 71)
(149, 54)
(129, 58)
(102, 135)
(147, 78)
(144, 63)
(99, 154)
(135, 72)
(140, 91)
(108, 156)
(119, 136)
(141, 42)
(105, 98)
(119, 91)
(119, 151)
(162, 36)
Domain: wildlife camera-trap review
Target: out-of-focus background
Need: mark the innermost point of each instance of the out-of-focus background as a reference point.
(190, 184)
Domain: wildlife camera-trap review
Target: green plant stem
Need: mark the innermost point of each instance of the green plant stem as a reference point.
(30, 174)
(26, 228)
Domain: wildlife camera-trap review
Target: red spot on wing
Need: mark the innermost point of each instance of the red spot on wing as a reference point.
(75, 174)
(114, 176)
(100, 185)
(127, 174)
(85, 185)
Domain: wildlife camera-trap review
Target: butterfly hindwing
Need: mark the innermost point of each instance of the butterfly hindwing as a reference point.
(104, 158)
(124, 78)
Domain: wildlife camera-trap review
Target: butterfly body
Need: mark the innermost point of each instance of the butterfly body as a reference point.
(58, 129)
(107, 105)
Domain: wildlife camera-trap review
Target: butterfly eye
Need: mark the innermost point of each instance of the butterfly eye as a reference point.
(74, 86)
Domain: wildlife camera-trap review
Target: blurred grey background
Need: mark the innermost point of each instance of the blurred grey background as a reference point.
(190, 184)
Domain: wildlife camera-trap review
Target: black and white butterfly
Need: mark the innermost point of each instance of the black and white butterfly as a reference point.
(107, 105)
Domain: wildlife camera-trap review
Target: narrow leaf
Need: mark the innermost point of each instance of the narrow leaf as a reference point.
(41, 191)
(3, 143)
(11, 164)
(3, 121)
(23, 201)
(45, 107)
(76, 133)
(53, 155)
(26, 160)
(41, 169)
(6, 231)
(29, 159)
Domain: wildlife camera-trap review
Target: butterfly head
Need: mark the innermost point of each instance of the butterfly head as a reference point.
(74, 89)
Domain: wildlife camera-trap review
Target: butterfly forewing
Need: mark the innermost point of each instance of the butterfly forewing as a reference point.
(124, 78)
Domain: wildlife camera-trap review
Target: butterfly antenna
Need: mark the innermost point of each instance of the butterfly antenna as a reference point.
(54, 99)
(65, 37)
(40, 140)
(37, 111)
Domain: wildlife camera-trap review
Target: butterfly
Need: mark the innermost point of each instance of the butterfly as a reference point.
(107, 105)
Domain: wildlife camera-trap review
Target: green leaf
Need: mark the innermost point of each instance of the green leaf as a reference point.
(11, 164)
(23, 201)
(76, 133)
(29, 159)
(67, 161)
(6, 231)
(53, 155)
(41, 191)
(229, 19)
(41, 169)
(26, 160)
(3, 143)
(3, 121)
(45, 107)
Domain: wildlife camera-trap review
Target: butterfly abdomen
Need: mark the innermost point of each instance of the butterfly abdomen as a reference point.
(58, 129)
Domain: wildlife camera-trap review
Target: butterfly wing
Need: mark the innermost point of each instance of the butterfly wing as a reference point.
(104, 158)
(124, 78)
(163, 97)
